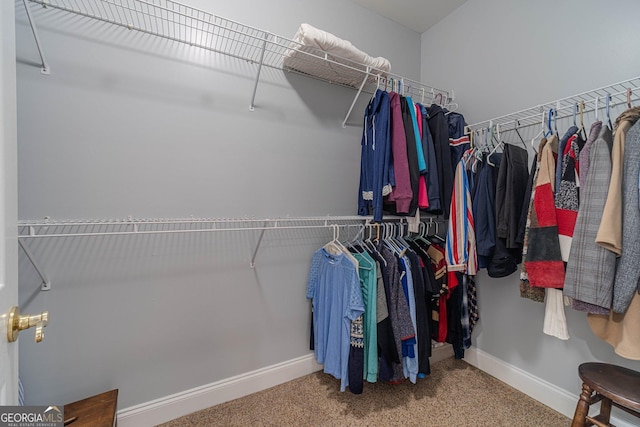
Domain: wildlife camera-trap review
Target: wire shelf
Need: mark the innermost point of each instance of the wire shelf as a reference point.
(110, 227)
(184, 24)
(565, 107)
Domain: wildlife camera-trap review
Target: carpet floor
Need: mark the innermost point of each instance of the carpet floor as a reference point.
(455, 394)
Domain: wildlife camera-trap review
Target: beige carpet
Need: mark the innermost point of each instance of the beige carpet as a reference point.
(455, 394)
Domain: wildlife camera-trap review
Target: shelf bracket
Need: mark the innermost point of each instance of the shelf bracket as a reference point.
(255, 251)
(46, 283)
(255, 85)
(45, 65)
(366, 77)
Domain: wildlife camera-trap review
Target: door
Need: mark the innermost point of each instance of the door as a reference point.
(8, 202)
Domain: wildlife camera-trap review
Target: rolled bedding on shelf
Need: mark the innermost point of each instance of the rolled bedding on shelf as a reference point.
(344, 63)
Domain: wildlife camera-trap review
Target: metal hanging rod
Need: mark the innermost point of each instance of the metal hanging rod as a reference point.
(533, 116)
(184, 24)
(115, 227)
(111, 227)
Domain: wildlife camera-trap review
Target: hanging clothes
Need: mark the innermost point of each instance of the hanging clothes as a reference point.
(591, 268)
(461, 239)
(356, 356)
(510, 190)
(368, 284)
(484, 211)
(410, 346)
(459, 142)
(439, 128)
(620, 330)
(627, 273)
(585, 162)
(533, 293)
(610, 231)
(545, 267)
(336, 298)
(401, 193)
(423, 196)
(567, 197)
(412, 153)
(375, 179)
(431, 179)
(423, 335)
(561, 162)
(401, 323)
(387, 352)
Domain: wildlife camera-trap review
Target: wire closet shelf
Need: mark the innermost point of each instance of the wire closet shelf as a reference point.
(49, 228)
(624, 92)
(114, 227)
(184, 24)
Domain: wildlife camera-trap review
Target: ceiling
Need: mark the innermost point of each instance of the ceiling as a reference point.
(418, 15)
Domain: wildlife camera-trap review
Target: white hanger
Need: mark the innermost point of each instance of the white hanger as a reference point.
(609, 124)
(495, 148)
(539, 134)
(332, 247)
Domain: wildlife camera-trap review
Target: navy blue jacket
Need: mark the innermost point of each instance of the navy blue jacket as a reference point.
(375, 157)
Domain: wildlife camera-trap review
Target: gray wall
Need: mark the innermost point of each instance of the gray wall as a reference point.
(9, 195)
(127, 124)
(502, 56)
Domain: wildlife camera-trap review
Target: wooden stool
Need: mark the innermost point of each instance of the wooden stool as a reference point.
(94, 411)
(613, 385)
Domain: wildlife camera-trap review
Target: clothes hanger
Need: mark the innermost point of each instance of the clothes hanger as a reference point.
(370, 243)
(343, 248)
(608, 116)
(401, 235)
(517, 130)
(628, 97)
(451, 107)
(353, 243)
(539, 134)
(548, 131)
(386, 240)
(582, 129)
(495, 148)
(421, 235)
(393, 238)
(436, 236)
(331, 247)
(596, 107)
(363, 260)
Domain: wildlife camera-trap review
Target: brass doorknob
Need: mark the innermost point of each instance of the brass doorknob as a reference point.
(19, 322)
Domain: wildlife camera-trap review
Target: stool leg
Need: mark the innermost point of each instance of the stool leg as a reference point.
(582, 409)
(605, 410)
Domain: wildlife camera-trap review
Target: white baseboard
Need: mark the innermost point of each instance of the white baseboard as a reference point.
(176, 405)
(543, 391)
(170, 407)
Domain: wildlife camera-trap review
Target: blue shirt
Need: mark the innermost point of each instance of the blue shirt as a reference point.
(336, 297)
(410, 360)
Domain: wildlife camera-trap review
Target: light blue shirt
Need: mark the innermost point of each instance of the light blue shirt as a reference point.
(336, 297)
